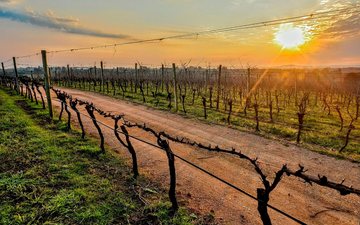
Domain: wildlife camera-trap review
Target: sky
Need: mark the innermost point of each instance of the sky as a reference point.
(28, 26)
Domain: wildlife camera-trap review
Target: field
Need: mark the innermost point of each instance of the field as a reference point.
(202, 158)
(231, 96)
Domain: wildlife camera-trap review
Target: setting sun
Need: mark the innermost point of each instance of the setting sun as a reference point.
(290, 37)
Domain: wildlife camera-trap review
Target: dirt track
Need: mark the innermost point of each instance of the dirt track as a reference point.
(196, 190)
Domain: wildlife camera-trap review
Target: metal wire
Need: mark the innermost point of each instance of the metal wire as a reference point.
(195, 166)
(312, 16)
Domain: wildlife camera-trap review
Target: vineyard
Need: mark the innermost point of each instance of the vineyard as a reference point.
(318, 108)
(180, 112)
(286, 104)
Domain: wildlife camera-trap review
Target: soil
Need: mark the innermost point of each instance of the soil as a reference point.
(203, 194)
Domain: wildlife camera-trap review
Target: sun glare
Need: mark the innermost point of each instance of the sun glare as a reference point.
(290, 37)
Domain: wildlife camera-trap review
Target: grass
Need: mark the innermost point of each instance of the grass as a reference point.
(322, 132)
(48, 176)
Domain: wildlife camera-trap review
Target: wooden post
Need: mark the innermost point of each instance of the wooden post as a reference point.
(162, 78)
(47, 82)
(248, 81)
(296, 89)
(175, 88)
(256, 108)
(68, 73)
(102, 76)
(204, 105)
(89, 81)
(16, 76)
(218, 89)
(136, 77)
(207, 72)
(4, 73)
(95, 78)
(3, 69)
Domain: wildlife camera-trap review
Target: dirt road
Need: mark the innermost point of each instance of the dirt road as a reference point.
(196, 190)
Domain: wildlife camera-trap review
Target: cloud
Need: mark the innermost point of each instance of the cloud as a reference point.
(345, 28)
(345, 25)
(50, 20)
(51, 15)
(9, 2)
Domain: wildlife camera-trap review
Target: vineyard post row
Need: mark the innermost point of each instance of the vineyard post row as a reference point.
(229, 100)
(220, 91)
